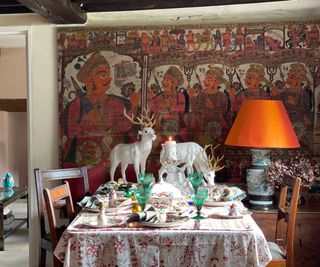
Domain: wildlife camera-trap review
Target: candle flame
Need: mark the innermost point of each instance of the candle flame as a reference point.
(170, 138)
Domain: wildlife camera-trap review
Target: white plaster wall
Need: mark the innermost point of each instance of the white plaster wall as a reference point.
(13, 73)
(43, 102)
(13, 149)
(17, 147)
(3, 142)
(13, 146)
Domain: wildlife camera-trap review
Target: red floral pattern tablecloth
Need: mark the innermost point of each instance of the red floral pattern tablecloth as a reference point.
(210, 242)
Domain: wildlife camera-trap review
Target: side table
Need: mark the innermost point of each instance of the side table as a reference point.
(7, 198)
(307, 239)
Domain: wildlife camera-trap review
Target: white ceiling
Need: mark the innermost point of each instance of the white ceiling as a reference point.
(244, 13)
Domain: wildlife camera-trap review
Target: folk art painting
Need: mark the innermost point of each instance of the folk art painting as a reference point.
(193, 79)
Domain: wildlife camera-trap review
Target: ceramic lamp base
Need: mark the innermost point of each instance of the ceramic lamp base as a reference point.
(259, 192)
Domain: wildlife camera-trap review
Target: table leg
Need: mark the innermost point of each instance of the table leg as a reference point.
(1, 228)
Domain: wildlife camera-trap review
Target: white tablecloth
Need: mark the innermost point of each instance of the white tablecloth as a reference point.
(210, 242)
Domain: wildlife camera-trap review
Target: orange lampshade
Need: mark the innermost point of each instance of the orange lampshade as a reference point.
(262, 124)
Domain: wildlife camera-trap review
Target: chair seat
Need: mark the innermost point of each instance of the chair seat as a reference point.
(276, 251)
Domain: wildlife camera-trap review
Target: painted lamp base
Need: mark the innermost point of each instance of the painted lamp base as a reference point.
(259, 192)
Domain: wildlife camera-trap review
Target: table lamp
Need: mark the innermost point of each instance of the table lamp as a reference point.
(261, 125)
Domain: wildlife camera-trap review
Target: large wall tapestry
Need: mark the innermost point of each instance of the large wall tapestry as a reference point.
(194, 79)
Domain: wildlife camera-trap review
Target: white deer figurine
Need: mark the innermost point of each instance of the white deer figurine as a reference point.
(135, 153)
(193, 154)
(212, 165)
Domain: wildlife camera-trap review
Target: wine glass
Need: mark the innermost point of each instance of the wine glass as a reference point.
(195, 179)
(145, 179)
(142, 195)
(198, 198)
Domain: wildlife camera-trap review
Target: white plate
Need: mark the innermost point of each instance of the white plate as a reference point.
(165, 224)
(110, 223)
(212, 203)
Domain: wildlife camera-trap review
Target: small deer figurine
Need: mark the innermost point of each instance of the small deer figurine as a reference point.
(137, 152)
(213, 165)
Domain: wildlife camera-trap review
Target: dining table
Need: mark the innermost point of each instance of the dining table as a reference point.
(214, 241)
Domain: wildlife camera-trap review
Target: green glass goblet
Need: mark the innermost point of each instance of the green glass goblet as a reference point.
(145, 179)
(195, 179)
(198, 199)
(128, 192)
(142, 195)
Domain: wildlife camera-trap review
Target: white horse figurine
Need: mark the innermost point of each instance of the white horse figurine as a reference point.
(137, 152)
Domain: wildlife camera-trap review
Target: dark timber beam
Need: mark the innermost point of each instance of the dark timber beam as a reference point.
(13, 105)
(122, 5)
(57, 11)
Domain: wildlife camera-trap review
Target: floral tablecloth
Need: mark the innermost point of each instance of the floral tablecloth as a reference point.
(209, 242)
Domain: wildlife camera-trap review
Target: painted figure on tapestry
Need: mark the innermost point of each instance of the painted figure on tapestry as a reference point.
(257, 86)
(217, 39)
(296, 92)
(91, 117)
(210, 105)
(190, 41)
(313, 37)
(169, 104)
(298, 98)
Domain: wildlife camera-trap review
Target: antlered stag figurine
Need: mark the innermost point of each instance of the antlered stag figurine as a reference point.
(135, 153)
(213, 164)
(192, 154)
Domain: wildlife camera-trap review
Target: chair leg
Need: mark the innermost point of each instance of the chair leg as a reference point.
(56, 262)
(42, 260)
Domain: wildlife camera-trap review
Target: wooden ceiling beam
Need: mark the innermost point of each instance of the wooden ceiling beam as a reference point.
(13, 105)
(57, 11)
(122, 5)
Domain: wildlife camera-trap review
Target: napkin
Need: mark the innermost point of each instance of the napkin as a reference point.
(147, 215)
(93, 202)
(105, 188)
(90, 202)
(234, 193)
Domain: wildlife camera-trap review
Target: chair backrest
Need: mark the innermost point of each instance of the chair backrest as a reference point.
(54, 175)
(286, 218)
(51, 197)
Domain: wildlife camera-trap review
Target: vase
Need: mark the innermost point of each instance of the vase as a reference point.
(8, 181)
(259, 192)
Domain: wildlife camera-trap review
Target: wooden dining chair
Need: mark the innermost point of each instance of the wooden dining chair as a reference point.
(79, 174)
(282, 248)
(51, 198)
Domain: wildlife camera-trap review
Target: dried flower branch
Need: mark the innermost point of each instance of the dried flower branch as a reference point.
(300, 167)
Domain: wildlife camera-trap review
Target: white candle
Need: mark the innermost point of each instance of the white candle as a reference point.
(171, 149)
(170, 142)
